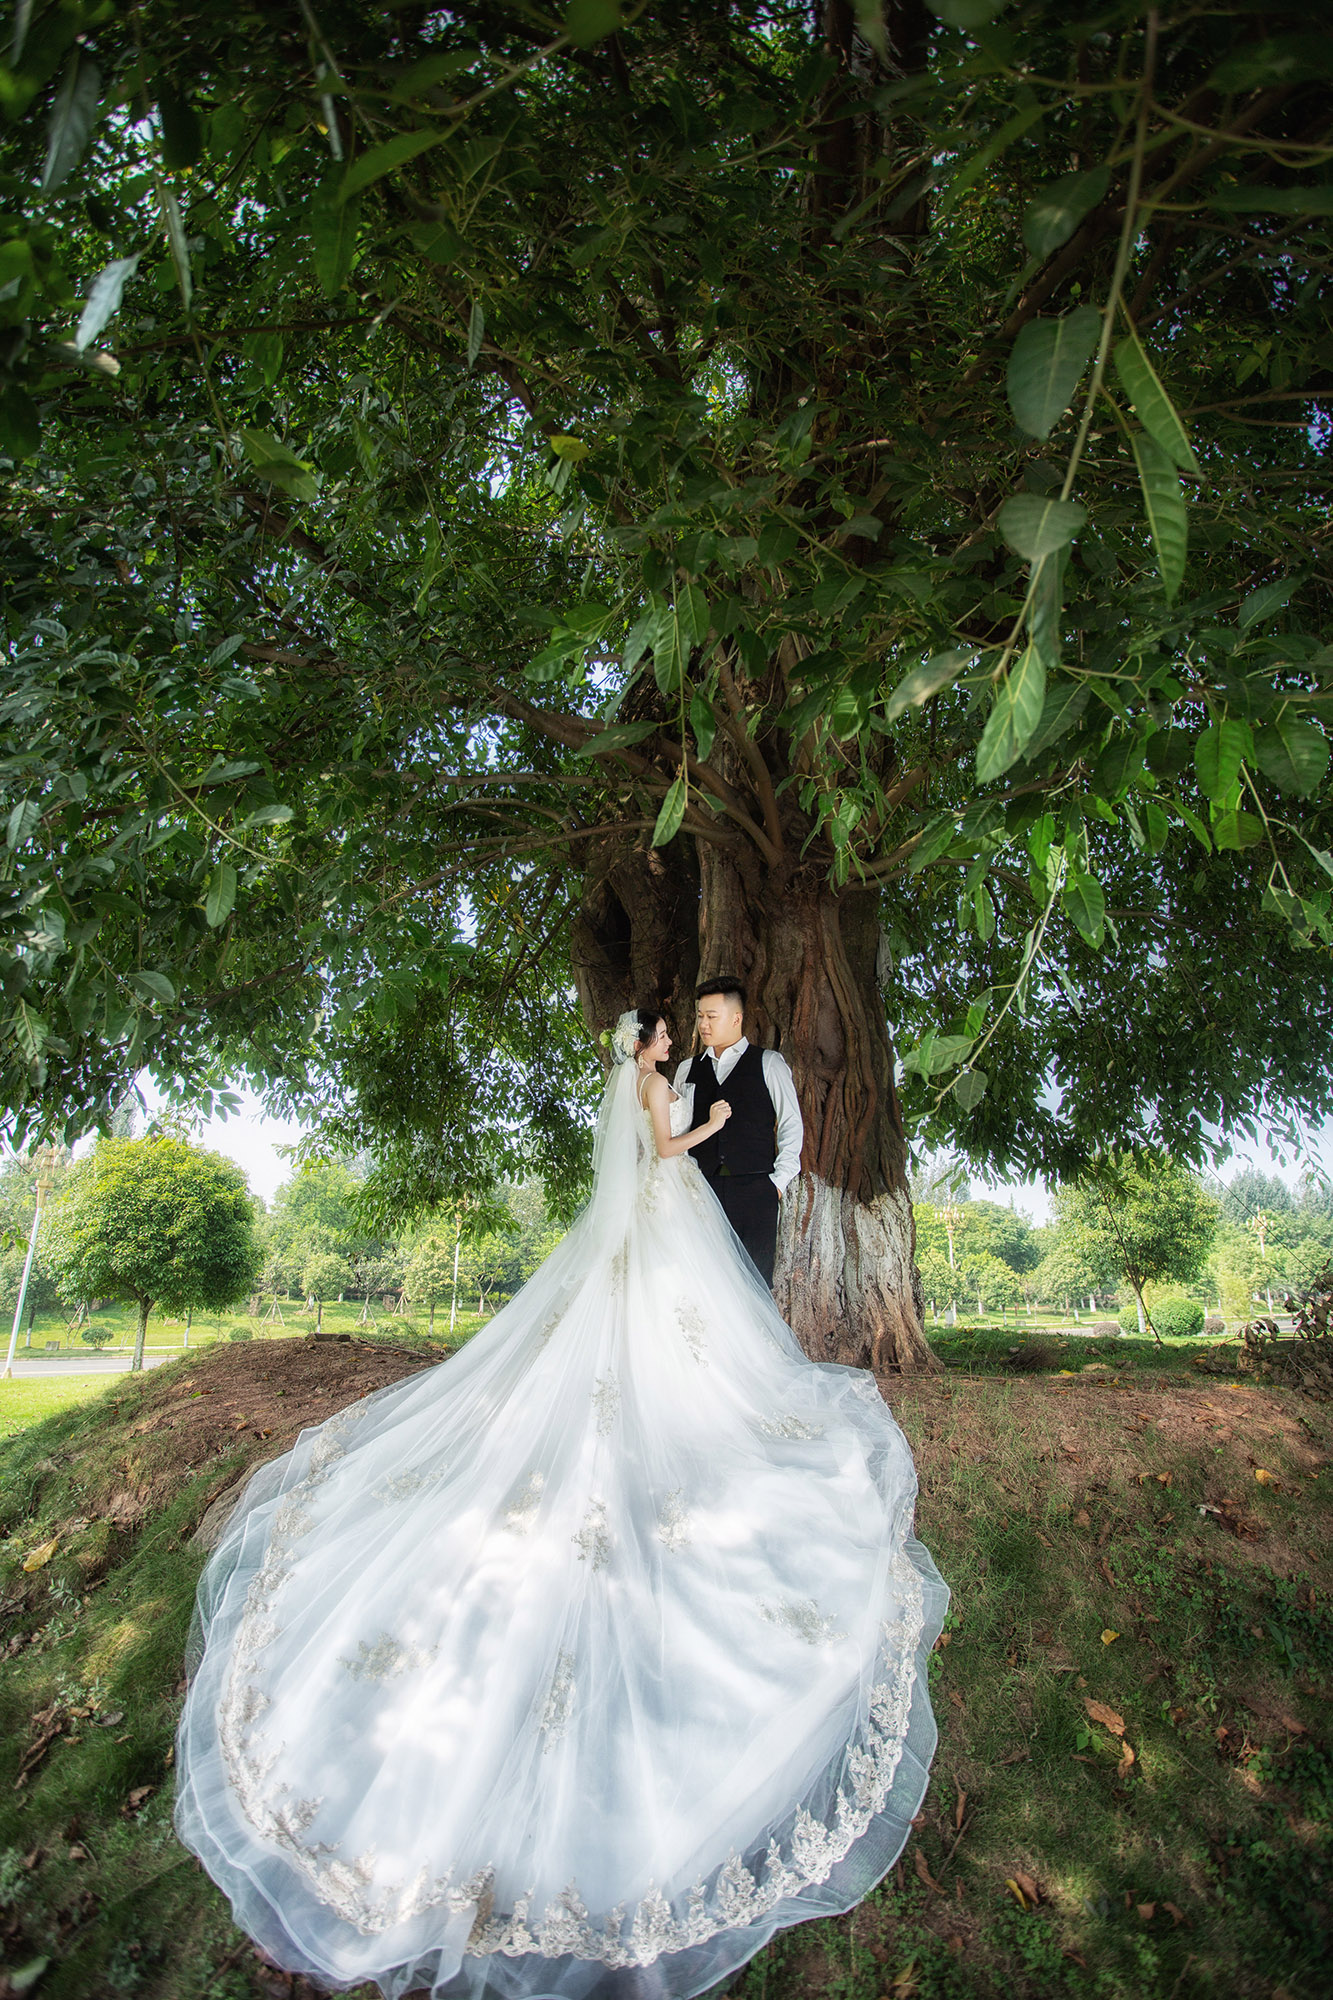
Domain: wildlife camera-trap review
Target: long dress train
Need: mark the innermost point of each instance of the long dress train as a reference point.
(584, 1662)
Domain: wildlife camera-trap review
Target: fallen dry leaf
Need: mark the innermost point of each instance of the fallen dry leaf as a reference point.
(1109, 1637)
(1027, 1885)
(1176, 1916)
(1147, 1911)
(1126, 1760)
(1106, 1716)
(1017, 1756)
(958, 1811)
(923, 1872)
(41, 1556)
(1264, 1479)
(137, 1797)
(1083, 1518)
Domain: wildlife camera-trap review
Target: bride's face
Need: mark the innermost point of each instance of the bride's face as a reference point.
(659, 1048)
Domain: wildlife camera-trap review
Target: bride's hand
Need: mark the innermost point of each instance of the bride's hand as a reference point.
(720, 1112)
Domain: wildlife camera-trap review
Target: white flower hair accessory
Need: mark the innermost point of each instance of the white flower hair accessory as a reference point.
(621, 1039)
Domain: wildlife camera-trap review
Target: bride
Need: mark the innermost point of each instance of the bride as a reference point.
(586, 1661)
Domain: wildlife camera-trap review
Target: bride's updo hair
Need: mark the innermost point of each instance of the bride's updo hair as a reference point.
(632, 1031)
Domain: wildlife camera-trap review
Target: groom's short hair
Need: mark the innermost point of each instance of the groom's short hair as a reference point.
(730, 989)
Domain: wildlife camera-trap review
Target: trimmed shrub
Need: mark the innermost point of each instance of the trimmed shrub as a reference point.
(1174, 1319)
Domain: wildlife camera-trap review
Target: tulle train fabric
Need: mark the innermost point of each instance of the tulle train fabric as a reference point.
(584, 1662)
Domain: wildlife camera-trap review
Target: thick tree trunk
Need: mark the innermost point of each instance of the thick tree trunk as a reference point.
(846, 1277)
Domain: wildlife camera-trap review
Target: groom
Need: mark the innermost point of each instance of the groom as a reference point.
(750, 1160)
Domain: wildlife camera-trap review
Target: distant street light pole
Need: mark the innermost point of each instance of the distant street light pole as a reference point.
(45, 1182)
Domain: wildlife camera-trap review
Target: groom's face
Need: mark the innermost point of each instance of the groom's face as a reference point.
(719, 1021)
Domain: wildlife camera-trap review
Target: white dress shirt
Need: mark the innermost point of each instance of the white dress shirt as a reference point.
(781, 1088)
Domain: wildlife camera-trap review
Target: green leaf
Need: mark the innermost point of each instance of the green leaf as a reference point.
(1316, 200)
(1293, 754)
(703, 721)
(1064, 704)
(692, 611)
(221, 897)
(1265, 603)
(177, 244)
(476, 332)
(777, 542)
(154, 986)
(617, 736)
(940, 671)
(970, 1088)
(1052, 216)
(382, 159)
(1219, 752)
(1194, 823)
(589, 21)
(1236, 829)
(1048, 358)
(272, 461)
(1084, 903)
(983, 911)
(1013, 720)
(20, 425)
(671, 815)
(103, 300)
(1164, 504)
(182, 140)
(1035, 527)
(270, 815)
(571, 448)
(22, 819)
(846, 714)
(333, 228)
(73, 116)
(30, 1031)
(1152, 406)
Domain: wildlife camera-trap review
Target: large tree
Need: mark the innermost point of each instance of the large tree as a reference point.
(506, 509)
(158, 1221)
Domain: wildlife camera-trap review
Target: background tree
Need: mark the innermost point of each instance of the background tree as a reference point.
(325, 1276)
(158, 1221)
(431, 1274)
(1145, 1220)
(865, 530)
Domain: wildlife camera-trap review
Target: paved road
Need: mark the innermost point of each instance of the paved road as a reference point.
(83, 1364)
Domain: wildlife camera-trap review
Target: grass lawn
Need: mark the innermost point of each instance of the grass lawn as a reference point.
(119, 1323)
(1133, 1793)
(28, 1399)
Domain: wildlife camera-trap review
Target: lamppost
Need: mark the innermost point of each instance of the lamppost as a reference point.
(45, 1161)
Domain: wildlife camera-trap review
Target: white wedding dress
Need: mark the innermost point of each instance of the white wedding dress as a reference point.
(584, 1662)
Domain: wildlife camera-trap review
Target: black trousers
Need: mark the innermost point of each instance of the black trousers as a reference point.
(751, 1205)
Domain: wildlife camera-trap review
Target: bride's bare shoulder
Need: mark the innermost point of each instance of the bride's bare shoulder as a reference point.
(653, 1087)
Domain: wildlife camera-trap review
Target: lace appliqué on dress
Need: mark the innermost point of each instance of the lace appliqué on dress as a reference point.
(388, 1656)
(559, 1701)
(593, 1539)
(693, 1328)
(801, 1616)
(606, 1402)
(673, 1527)
(789, 1426)
(522, 1510)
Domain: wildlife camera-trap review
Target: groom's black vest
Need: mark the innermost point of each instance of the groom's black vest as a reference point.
(747, 1143)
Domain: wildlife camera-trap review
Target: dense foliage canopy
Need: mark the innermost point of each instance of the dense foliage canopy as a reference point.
(865, 446)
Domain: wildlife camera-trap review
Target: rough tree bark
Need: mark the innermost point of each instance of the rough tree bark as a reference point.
(649, 928)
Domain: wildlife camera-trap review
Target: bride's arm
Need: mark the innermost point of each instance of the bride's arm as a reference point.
(657, 1097)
